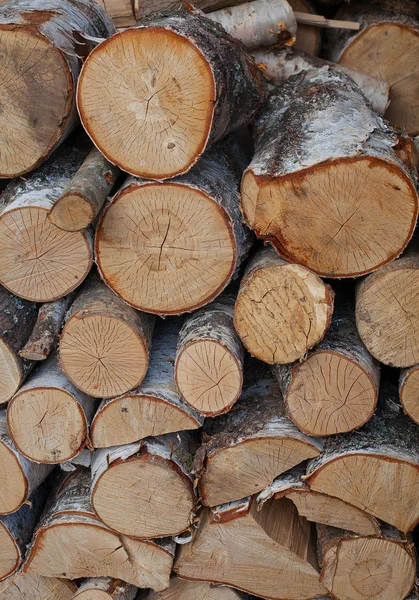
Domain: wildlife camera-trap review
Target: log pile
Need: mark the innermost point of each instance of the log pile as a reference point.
(209, 330)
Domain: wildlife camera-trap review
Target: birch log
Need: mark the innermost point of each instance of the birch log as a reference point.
(71, 542)
(105, 588)
(387, 305)
(253, 551)
(356, 567)
(200, 86)
(249, 446)
(169, 264)
(48, 419)
(19, 478)
(41, 43)
(335, 389)
(409, 392)
(38, 261)
(160, 499)
(17, 319)
(280, 64)
(387, 46)
(383, 455)
(105, 344)
(282, 309)
(153, 408)
(85, 195)
(181, 589)
(34, 587)
(209, 359)
(315, 141)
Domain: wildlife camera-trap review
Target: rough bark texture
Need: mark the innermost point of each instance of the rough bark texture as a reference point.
(41, 127)
(44, 337)
(39, 261)
(254, 433)
(179, 268)
(155, 407)
(85, 195)
(336, 389)
(209, 359)
(71, 542)
(387, 446)
(144, 8)
(115, 589)
(34, 587)
(280, 64)
(317, 130)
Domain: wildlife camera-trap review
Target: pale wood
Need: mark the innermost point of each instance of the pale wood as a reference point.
(159, 499)
(282, 309)
(180, 589)
(409, 391)
(164, 120)
(320, 21)
(38, 75)
(48, 419)
(308, 37)
(105, 344)
(144, 8)
(171, 264)
(22, 586)
(17, 319)
(249, 446)
(387, 305)
(356, 567)
(335, 389)
(376, 468)
(385, 26)
(44, 336)
(318, 507)
(71, 542)
(154, 408)
(85, 195)
(105, 588)
(269, 553)
(120, 11)
(301, 192)
(38, 261)
(209, 359)
(19, 477)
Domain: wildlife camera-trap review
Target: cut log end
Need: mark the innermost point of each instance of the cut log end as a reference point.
(31, 68)
(175, 91)
(47, 425)
(94, 595)
(39, 261)
(71, 213)
(10, 372)
(102, 355)
(166, 249)
(181, 589)
(300, 215)
(409, 393)
(12, 495)
(324, 405)
(10, 555)
(384, 37)
(209, 376)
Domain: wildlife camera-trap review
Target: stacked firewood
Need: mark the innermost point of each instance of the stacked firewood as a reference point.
(193, 405)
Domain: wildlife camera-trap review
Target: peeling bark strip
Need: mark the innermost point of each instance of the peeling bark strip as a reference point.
(209, 359)
(17, 318)
(249, 446)
(38, 261)
(19, 478)
(258, 553)
(33, 587)
(387, 311)
(317, 507)
(280, 64)
(409, 392)
(317, 139)
(71, 542)
(39, 38)
(358, 567)
(181, 589)
(200, 86)
(169, 263)
(336, 389)
(48, 419)
(383, 455)
(44, 337)
(282, 310)
(154, 408)
(385, 25)
(85, 195)
(160, 500)
(105, 344)
(105, 588)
